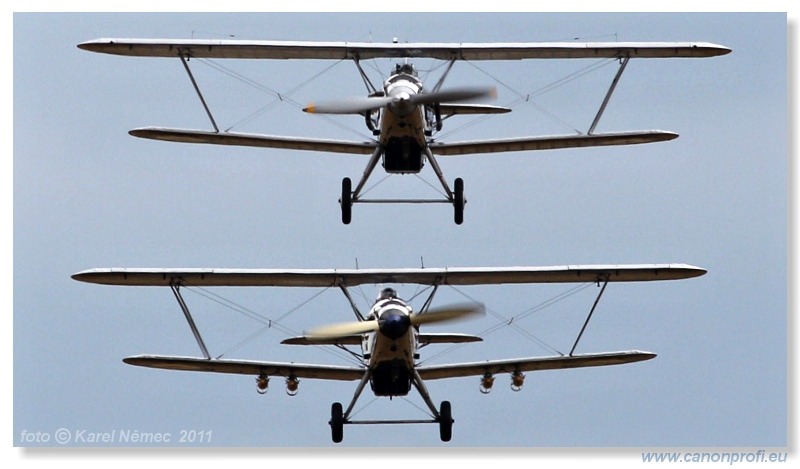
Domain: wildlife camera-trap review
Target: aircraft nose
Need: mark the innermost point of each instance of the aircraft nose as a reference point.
(401, 101)
(394, 324)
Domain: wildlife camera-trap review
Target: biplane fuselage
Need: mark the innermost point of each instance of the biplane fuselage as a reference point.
(390, 351)
(403, 126)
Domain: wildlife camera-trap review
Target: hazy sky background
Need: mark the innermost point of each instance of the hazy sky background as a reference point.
(86, 194)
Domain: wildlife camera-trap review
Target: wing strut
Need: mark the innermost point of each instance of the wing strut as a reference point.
(439, 83)
(370, 87)
(594, 306)
(176, 290)
(614, 82)
(346, 292)
(185, 62)
(428, 301)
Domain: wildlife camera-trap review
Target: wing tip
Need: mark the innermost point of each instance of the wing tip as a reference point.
(91, 46)
(693, 271)
(84, 276)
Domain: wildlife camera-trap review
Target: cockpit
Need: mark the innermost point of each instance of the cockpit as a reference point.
(407, 69)
(387, 294)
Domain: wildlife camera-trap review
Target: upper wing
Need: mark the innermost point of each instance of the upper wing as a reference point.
(552, 142)
(248, 367)
(532, 364)
(240, 49)
(254, 140)
(353, 277)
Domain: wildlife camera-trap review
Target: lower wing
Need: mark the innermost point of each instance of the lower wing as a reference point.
(552, 142)
(248, 367)
(532, 364)
(254, 140)
(342, 373)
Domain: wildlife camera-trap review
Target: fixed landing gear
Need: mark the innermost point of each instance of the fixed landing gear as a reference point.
(350, 196)
(337, 422)
(346, 201)
(458, 201)
(456, 197)
(445, 421)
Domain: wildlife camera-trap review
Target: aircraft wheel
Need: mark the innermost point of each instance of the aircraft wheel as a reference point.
(458, 201)
(337, 422)
(445, 421)
(346, 201)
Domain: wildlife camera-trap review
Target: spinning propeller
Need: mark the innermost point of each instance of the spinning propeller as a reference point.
(401, 99)
(394, 323)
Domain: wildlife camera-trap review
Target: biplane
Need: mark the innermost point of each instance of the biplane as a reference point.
(389, 335)
(404, 116)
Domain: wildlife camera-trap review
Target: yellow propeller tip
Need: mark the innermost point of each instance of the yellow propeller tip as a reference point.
(310, 108)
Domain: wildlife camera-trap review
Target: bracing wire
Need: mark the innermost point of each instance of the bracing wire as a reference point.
(278, 96)
(528, 98)
(512, 322)
(267, 322)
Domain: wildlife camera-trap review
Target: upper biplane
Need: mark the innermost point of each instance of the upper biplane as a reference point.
(404, 115)
(389, 334)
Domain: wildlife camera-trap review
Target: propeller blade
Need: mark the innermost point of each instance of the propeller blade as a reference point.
(348, 106)
(343, 329)
(449, 313)
(454, 95)
(363, 104)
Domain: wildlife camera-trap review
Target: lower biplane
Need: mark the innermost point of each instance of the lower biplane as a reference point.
(403, 115)
(389, 335)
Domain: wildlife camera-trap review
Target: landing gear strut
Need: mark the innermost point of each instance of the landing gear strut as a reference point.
(351, 196)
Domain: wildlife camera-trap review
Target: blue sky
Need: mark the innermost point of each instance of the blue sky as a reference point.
(86, 195)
